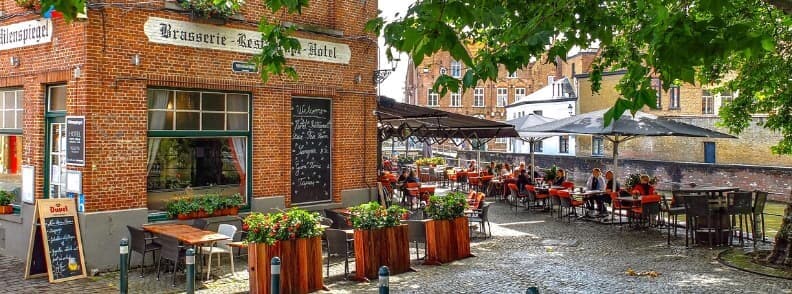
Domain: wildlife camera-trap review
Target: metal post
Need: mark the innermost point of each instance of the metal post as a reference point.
(532, 290)
(124, 267)
(189, 260)
(275, 271)
(384, 276)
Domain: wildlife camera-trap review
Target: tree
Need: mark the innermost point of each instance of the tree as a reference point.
(743, 45)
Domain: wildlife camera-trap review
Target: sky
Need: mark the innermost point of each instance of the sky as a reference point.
(393, 86)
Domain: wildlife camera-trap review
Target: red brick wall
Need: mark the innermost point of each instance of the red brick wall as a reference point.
(111, 94)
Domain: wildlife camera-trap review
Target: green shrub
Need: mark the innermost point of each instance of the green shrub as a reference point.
(208, 8)
(372, 215)
(6, 198)
(447, 207)
(291, 224)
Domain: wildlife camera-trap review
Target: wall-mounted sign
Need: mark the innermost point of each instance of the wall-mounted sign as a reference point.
(243, 67)
(182, 33)
(75, 140)
(26, 33)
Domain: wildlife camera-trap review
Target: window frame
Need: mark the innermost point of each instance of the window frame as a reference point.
(597, 146)
(563, 144)
(518, 96)
(511, 75)
(478, 97)
(502, 99)
(657, 85)
(538, 146)
(456, 69)
(17, 111)
(248, 134)
(456, 99)
(432, 94)
(675, 96)
(707, 102)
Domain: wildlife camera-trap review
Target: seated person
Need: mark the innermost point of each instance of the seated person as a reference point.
(522, 180)
(412, 178)
(472, 166)
(403, 176)
(560, 178)
(536, 173)
(643, 188)
(506, 170)
(490, 169)
(596, 182)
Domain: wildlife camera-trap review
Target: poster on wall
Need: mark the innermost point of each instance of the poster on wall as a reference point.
(28, 183)
(75, 140)
(311, 170)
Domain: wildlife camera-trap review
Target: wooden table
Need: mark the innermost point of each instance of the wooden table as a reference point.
(186, 234)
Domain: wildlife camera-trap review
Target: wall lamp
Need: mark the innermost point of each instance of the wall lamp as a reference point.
(14, 61)
(571, 110)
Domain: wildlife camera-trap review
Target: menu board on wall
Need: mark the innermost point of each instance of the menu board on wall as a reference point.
(75, 140)
(56, 227)
(311, 173)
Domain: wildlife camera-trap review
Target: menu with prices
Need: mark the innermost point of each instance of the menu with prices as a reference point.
(311, 172)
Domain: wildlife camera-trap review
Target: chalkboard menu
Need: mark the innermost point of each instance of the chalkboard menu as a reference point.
(311, 173)
(75, 140)
(57, 227)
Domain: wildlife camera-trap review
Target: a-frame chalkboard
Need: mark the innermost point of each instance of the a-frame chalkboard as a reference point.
(55, 238)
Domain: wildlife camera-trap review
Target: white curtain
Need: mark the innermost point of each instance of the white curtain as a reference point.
(239, 150)
(156, 122)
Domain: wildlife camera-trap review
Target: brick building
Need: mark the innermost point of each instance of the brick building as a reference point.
(165, 115)
(487, 100)
(688, 103)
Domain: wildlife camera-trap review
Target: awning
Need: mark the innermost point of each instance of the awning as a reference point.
(426, 124)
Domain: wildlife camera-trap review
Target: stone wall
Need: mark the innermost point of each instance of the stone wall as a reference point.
(777, 180)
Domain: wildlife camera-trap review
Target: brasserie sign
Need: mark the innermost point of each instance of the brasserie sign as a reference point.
(182, 33)
(26, 33)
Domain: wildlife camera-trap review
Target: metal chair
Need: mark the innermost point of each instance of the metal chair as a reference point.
(339, 244)
(758, 214)
(696, 209)
(674, 211)
(481, 218)
(172, 251)
(221, 247)
(339, 221)
(142, 242)
(740, 209)
(200, 224)
(416, 232)
(650, 207)
(569, 204)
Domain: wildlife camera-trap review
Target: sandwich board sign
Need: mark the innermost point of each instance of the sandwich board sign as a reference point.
(55, 239)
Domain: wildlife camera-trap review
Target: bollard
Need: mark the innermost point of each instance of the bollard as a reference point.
(384, 275)
(532, 290)
(189, 260)
(123, 266)
(275, 273)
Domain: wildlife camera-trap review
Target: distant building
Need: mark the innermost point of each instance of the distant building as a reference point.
(556, 101)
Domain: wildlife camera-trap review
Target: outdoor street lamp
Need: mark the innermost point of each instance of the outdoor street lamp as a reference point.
(571, 110)
(381, 74)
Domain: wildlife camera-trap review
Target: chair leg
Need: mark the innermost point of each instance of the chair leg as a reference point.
(173, 273)
(231, 256)
(209, 269)
(142, 261)
(159, 261)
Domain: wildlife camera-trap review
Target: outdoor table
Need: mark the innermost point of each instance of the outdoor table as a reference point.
(629, 201)
(719, 216)
(186, 234)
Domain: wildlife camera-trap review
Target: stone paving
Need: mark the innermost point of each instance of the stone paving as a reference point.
(527, 249)
(12, 281)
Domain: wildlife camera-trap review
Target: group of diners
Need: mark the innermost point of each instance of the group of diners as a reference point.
(596, 182)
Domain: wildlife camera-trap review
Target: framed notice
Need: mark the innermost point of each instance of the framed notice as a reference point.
(55, 235)
(75, 140)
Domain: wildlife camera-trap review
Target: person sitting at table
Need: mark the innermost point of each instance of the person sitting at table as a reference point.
(403, 176)
(536, 173)
(643, 188)
(522, 180)
(595, 182)
(472, 166)
(506, 171)
(412, 178)
(386, 164)
(490, 168)
(560, 177)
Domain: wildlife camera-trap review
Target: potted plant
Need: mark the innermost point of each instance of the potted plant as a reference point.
(5, 202)
(29, 4)
(294, 237)
(447, 234)
(380, 239)
(550, 173)
(208, 8)
(203, 206)
(634, 179)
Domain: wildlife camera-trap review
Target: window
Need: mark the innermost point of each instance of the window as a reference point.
(500, 140)
(563, 144)
(55, 146)
(707, 102)
(197, 144)
(11, 143)
(674, 93)
(519, 93)
(550, 79)
(657, 85)
(456, 69)
(432, 97)
(597, 146)
(478, 97)
(726, 97)
(537, 146)
(512, 75)
(573, 69)
(503, 97)
(456, 99)
(537, 112)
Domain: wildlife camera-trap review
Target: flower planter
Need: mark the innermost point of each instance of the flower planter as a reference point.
(6, 209)
(375, 248)
(447, 240)
(301, 265)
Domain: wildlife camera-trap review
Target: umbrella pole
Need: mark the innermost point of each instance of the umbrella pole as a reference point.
(615, 163)
(533, 162)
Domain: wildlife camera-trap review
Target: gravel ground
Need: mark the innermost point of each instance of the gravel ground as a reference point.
(534, 249)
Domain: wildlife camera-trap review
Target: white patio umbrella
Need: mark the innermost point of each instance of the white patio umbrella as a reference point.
(624, 129)
(524, 122)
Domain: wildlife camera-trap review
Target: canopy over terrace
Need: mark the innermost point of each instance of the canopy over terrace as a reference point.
(434, 126)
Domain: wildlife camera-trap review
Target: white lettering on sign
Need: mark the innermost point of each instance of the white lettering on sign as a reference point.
(182, 33)
(26, 33)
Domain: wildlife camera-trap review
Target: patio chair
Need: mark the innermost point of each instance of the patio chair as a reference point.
(650, 207)
(515, 197)
(413, 192)
(569, 203)
(474, 183)
(482, 217)
(672, 213)
(173, 252)
(555, 201)
(142, 242)
(339, 244)
(200, 224)
(616, 205)
(339, 221)
(758, 214)
(221, 247)
(416, 233)
(740, 210)
(568, 185)
(325, 221)
(696, 209)
(534, 197)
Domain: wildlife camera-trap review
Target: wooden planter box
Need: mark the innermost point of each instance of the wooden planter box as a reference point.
(375, 248)
(203, 214)
(6, 209)
(447, 240)
(301, 265)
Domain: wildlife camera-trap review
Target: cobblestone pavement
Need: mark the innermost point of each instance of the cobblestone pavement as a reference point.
(12, 281)
(527, 249)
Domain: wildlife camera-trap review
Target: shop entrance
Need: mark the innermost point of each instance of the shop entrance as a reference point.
(55, 143)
